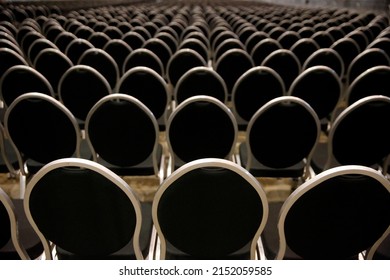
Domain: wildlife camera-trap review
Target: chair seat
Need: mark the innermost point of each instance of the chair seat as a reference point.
(28, 238)
(143, 169)
(175, 254)
(260, 170)
(127, 252)
(320, 156)
(270, 235)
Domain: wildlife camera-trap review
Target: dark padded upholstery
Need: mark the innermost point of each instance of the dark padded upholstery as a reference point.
(213, 226)
(90, 216)
(356, 218)
(123, 134)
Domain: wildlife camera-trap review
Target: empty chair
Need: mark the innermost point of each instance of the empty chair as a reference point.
(252, 90)
(44, 65)
(22, 79)
(373, 81)
(197, 46)
(323, 39)
(99, 39)
(102, 62)
(326, 57)
(360, 38)
(143, 57)
(303, 48)
(143, 32)
(84, 32)
(63, 40)
(319, 86)
(9, 44)
(87, 212)
(308, 226)
(169, 39)
(80, 88)
(200, 127)
(41, 129)
(224, 35)
(336, 32)
(199, 36)
(160, 48)
(381, 43)
(9, 58)
(76, 49)
(182, 61)
(285, 63)
(150, 88)
(306, 32)
(118, 50)
(255, 38)
(231, 65)
(348, 49)
(200, 81)
(276, 154)
(17, 239)
(123, 136)
(262, 49)
(357, 136)
(113, 32)
(228, 44)
(288, 39)
(133, 39)
(192, 220)
(37, 47)
(28, 40)
(366, 60)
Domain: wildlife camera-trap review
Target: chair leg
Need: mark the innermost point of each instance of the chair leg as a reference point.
(22, 185)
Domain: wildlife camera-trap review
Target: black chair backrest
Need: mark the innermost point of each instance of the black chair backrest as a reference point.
(279, 117)
(147, 86)
(366, 60)
(374, 81)
(9, 58)
(285, 63)
(80, 88)
(254, 88)
(41, 128)
(303, 48)
(200, 81)
(76, 48)
(201, 127)
(231, 65)
(143, 57)
(182, 61)
(122, 131)
(358, 135)
(326, 57)
(181, 203)
(44, 65)
(133, 39)
(103, 63)
(20, 79)
(319, 86)
(347, 48)
(336, 215)
(118, 50)
(88, 219)
(263, 48)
